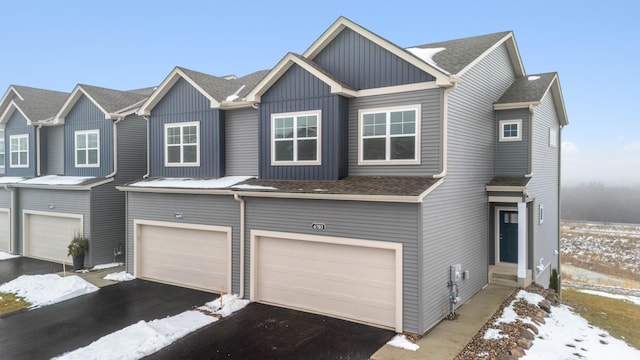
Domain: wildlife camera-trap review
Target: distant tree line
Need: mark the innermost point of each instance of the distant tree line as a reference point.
(597, 202)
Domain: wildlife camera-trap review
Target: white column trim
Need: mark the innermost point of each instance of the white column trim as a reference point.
(522, 240)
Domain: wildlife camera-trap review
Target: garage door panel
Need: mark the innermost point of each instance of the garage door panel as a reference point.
(196, 258)
(48, 236)
(5, 231)
(343, 280)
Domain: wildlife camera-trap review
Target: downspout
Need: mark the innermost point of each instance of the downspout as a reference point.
(559, 211)
(115, 146)
(240, 199)
(445, 120)
(146, 175)
(11, 218)
(530, 174)
(38, 172)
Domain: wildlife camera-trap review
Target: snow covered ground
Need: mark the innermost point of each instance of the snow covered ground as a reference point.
(566, 335)
(43, 290)
(5, 256)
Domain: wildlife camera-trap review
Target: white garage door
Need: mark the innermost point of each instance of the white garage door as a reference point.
(5, 230)
(343, 278)
(47, 236)
(197, 257)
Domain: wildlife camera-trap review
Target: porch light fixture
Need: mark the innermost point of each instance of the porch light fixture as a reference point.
(51, 206)
(178, 215)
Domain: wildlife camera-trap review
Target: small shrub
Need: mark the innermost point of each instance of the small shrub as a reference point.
(79, 245)
(553, 281)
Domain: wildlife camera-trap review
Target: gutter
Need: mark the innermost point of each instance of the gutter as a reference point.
(146, 175)
(445, 119)
(38, 172)
(240, 199)
(115, 144)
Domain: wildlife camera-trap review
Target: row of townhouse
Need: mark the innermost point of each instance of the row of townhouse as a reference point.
(359, 179)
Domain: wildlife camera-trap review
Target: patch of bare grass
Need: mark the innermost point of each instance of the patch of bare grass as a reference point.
(618, 317)
(10, 303)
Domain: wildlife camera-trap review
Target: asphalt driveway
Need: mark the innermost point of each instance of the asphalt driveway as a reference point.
(13, 268)
(267, 332)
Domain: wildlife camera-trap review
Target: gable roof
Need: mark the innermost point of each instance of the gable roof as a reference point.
(112, 103)
(457, 56)
(530, 90)
(34, 104)
(221, 91)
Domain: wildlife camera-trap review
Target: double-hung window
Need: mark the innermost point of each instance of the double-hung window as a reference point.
(295, 138)
(510, 130)
(182, 144)
(87, 148)
(389, 136)
(19, 151)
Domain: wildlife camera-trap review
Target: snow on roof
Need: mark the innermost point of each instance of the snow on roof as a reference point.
(532, 78)
(253, 187)
(427, 54)
(10, 179)
(58, 180)
(190, 183)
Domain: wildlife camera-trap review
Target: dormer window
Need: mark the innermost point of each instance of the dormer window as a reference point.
(511, 130)
(295, 138)
(182, 144)
(87, 148)
(19, 151)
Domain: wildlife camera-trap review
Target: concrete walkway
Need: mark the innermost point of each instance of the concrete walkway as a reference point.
(448, 338)
(96, 277)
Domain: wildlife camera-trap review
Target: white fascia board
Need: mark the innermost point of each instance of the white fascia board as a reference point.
(511, 106)
(512, 49)
(505, 188)
(4, 118)
(343, 197)
(5, 99)
(556, 91)
(430, 189)
(442, 78)
(65, 187)
(228, 105)
(71, 101)
(174, 190)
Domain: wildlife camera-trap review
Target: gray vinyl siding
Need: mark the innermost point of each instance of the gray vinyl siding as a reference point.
(431, 132)
(69, 202)
(512, 157)
(85, 115)
(5, 198)
(391, 222)
(183, 103)
(132, 150)
(107, 221)
(363, 64)
(241, 152)
(544, 188)
(54, 149)
(17, 125)
(197, 209)
(296, 91)
(455, 221)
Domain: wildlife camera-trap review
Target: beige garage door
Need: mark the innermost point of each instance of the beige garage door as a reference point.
(47, 236)
(353, 282)
(5, 230)
(194, 258)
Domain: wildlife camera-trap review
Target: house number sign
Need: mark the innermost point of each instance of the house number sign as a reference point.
(319, 226)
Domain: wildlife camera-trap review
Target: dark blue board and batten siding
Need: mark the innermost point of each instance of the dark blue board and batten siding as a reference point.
(183, 103)
(512, 157)
(85, 115)
(363, 64)
(296, 91)
(17, 125)
(390, 222)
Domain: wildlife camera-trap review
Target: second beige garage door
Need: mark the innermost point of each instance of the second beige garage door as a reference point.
(5, 230)
(47, 235)
(189, 255)
(344, 278)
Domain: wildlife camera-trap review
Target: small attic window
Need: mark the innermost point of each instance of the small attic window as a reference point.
(511, 130)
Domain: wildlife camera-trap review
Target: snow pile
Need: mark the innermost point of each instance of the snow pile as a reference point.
(106, 266)
(5, 256)
(427, 54)
(42, 290)
(120, 276)
(145, 338)
(190, 183)
(566, 335)
(402, 342)
(629, 298)
(230, 304)
(10, 179)
(494, 334)
(253, 187)
(58, 180)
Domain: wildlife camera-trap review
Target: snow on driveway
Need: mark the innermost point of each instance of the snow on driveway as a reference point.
(5, 256)
(145, 338)
(43, 290)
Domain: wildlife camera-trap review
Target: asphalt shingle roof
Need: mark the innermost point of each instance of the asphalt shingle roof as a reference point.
(459, 53)
(39, 104)
(112, 100)
(220, 88)
(527, 89)
(509, 181)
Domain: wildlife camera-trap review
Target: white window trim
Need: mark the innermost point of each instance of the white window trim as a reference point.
(166, 146)
(416, 161)
(295, 161)
(510, 122)
(2, 150)
(75, 138)
(11, 164)
(553, 138)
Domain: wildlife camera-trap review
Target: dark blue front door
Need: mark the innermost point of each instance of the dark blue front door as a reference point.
(508, 236)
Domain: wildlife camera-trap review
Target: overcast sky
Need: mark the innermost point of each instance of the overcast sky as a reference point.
(126, 44)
